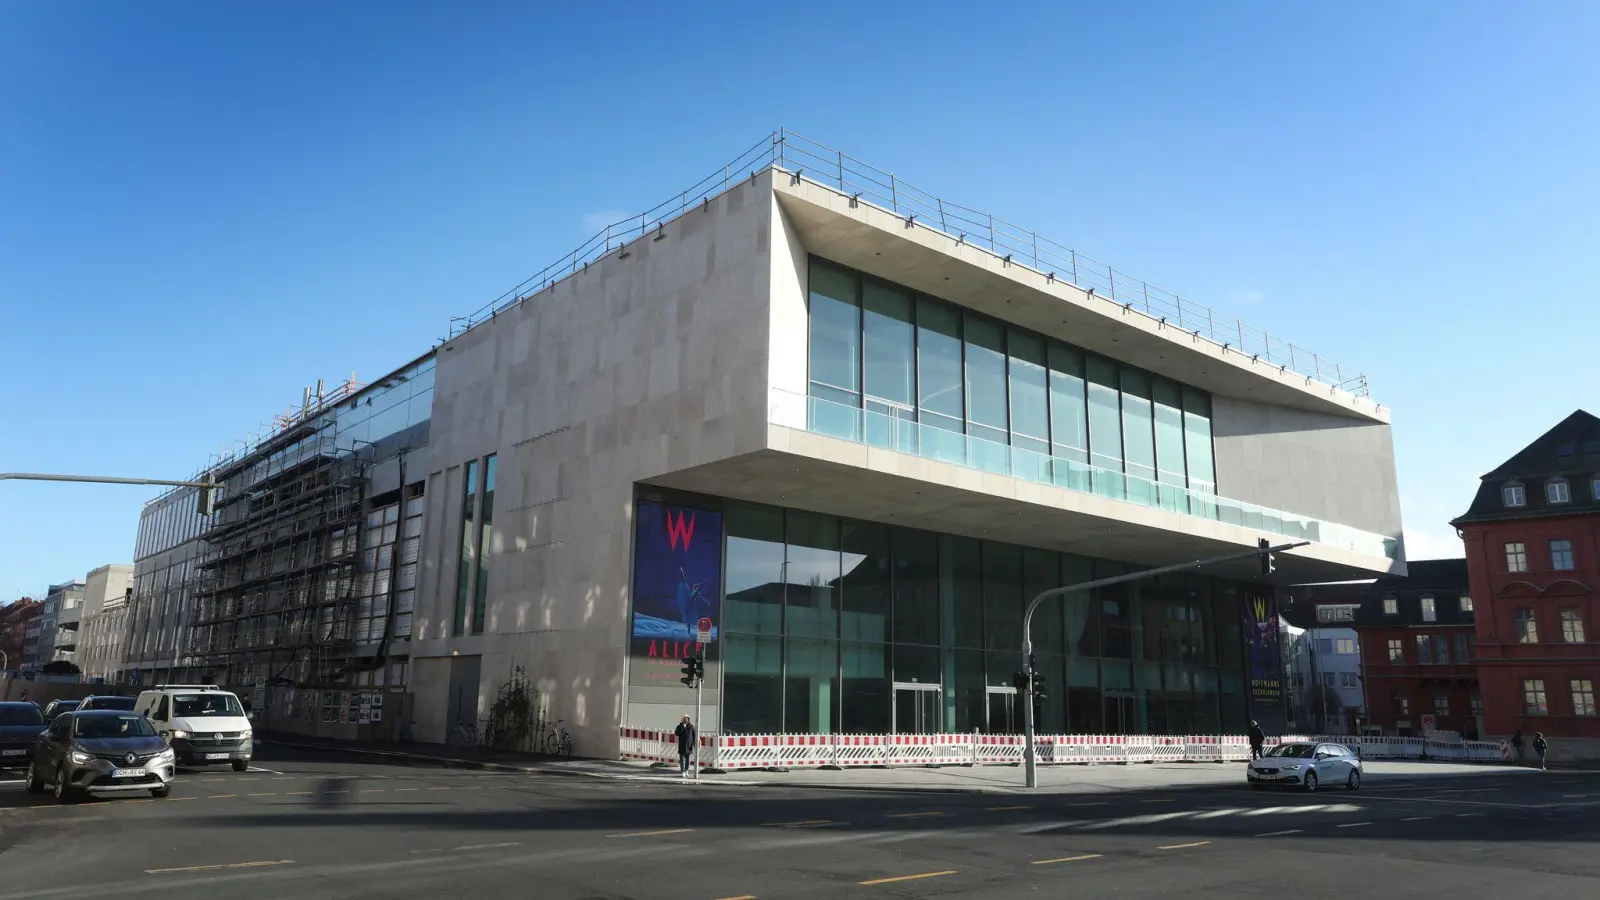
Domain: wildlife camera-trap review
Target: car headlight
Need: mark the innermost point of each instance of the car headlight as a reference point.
(1291, 765)
(80, 757)
(246, 735)
(166, 755)
(178, 735)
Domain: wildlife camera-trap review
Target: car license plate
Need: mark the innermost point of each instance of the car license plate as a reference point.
(216, 756)
(13, 753)
(127, 773)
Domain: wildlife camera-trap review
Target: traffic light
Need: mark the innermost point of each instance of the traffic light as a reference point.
(1040, 691)
(700, 666)
(1267, 566)
(694, 670)
(206, 497)
(1020, 681)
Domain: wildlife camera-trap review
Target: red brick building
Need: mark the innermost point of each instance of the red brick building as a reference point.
(14, 619)
(1416, 636)
(1532, 539)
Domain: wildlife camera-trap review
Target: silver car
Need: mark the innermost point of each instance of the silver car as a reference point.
(1307, 766)
(101, 752)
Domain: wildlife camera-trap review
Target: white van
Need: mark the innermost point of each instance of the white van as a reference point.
(205, 724)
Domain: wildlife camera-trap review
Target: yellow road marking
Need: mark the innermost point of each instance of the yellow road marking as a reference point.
(1183, 846)
(741, 897)
(651, 833)
(1005, 808)
(908, 877)
(917, 815)
(1051, 862)
(243, 865)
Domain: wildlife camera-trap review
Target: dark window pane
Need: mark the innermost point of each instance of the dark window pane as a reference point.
(1084, 713)
(970, 703)
(1041, 571)
(754, 569)
(1069, 426)
(1116, 613)
(1080, 609)
(916, 587)
(986, 378)
(835, 328)
(1105, 415)
(485, 545)
(812, 685)
(1002, 596)
(1197, 440)
(889, 345)
(866, 689)
(1030, 401)
(916, 665)
(752, 685)
(469, 536)
(967, 574)
(866, 582)
(939, 375)
(812, 575)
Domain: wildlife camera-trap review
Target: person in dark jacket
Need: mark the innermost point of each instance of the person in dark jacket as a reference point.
(687, 739)
(1516, 744)
(1539, 746)
(1258, 739)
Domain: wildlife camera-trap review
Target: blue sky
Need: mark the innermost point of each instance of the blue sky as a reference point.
(204, 207)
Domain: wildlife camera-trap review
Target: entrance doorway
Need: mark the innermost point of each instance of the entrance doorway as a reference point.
(918, 708)
(1121, 715)
(1004, 716)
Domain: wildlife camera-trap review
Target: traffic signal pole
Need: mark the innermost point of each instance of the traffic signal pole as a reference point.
(699, 691)
(207, 487)
(1029, 755)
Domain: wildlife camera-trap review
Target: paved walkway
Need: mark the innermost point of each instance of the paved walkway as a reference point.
(1074, 779)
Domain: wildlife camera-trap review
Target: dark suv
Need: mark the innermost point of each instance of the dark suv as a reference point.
(20, 724)
(101, 752)
(107, 701)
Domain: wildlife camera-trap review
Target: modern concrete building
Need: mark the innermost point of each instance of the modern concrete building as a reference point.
(102, 630)
(58, 623)
(846, 430)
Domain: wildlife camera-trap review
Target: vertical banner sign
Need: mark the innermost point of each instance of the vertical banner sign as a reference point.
(677, 589)
(1266, 659)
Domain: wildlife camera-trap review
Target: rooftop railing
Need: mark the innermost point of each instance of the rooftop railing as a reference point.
(804, 158)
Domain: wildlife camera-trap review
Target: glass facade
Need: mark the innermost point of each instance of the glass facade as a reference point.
(892, 368)
(836, 625)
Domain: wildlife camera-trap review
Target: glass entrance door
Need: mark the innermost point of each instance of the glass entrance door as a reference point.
(917, 708)
(1005, 717)
(1121, 717)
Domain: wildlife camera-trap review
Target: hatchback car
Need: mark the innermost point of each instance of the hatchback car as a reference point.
(57, 707)
(107, 701)
(1307, 766)
(101, 752)
(20, 724)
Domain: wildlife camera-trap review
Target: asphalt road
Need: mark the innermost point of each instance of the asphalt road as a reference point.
(332, 825)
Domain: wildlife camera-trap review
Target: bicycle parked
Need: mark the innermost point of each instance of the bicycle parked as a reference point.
(464, 735)
(559, 741)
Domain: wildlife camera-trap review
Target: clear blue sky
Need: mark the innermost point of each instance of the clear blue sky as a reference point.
(205, 207)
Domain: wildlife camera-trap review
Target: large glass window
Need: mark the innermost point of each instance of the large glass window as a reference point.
(752, 684)
(1197, 440)
(916, 587)
(1138, 430)
(811, 692)
(1002, 596)
(987, 416)
(940, 401)
(1069, 424)
(966, 572)
(485, 545)
(866, 581)
(1170, 462)
(890, 345)
(754, 603)
(1030, 398)
(835, 335)
(1105, 415)
(811, 575)
(469, 538)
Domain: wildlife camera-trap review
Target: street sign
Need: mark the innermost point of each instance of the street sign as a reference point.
(703, 631)
(1427, 724)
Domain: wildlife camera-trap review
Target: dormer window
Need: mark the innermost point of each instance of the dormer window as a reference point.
(1558, 491)
(1513, 495)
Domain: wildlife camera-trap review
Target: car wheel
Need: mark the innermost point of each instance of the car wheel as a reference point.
(34, 785)
(1311, 782)
(64, 789)
(240, 765)
(160, 792)
(1354, 782)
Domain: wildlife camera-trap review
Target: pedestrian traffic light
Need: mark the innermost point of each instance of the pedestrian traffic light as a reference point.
(1264, 547)
(1020, 681)
(690, 669)
(700, 666)
(1039, 688)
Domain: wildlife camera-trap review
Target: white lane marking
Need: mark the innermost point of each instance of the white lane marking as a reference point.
(1352, 824)
(1217, 813)
(1467, 815)
(1277, 833)
(1134, 820)
(1417, 819)
(18, 781)
(260, 769)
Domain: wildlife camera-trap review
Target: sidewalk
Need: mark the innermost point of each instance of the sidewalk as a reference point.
(1066, 780)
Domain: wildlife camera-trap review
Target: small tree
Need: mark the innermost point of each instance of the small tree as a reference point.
(513, 719)
(60, 667)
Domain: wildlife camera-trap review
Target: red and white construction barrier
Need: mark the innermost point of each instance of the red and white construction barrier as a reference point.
(810, 751)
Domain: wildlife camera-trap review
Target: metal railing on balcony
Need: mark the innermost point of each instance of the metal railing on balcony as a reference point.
(862, 426)
(806, 159)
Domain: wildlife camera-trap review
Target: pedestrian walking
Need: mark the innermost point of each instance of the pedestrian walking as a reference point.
(1540, 747)
(688, 739)
(1258, 739)
(1516, 744)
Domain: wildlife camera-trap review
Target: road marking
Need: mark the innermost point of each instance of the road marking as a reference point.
(908, 877)
(1568, 796)
(335, 792)
(18, 781)
(1217, 813)
(797, 824)
(1064, 859)
(403, 790)
(1097, 803)
(1352, 824)
(176, 799)
(1184, 846)
(267, 794)
(1417, 819)
(1467, 815)
(441, 789)
(915, 815)
(1280, 833)
(741, 897)
(1160, 800)
(298, 793)
(651, 833)
(374, 790)
(223, 796)
(268, 771)
(243, 865)
(485, 846)
(1005, 808)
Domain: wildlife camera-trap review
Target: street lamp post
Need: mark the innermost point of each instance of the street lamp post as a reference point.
(1029, 755)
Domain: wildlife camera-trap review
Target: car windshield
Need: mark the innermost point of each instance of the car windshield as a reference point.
(131, 725)
(62, 706)
(25, 714)
(108, 703)
(206, 705)
(1293, 751)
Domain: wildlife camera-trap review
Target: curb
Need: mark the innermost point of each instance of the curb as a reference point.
(443, 762)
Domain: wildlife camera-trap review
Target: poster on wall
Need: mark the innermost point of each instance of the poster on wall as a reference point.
(677, 589)
(1263, 638)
